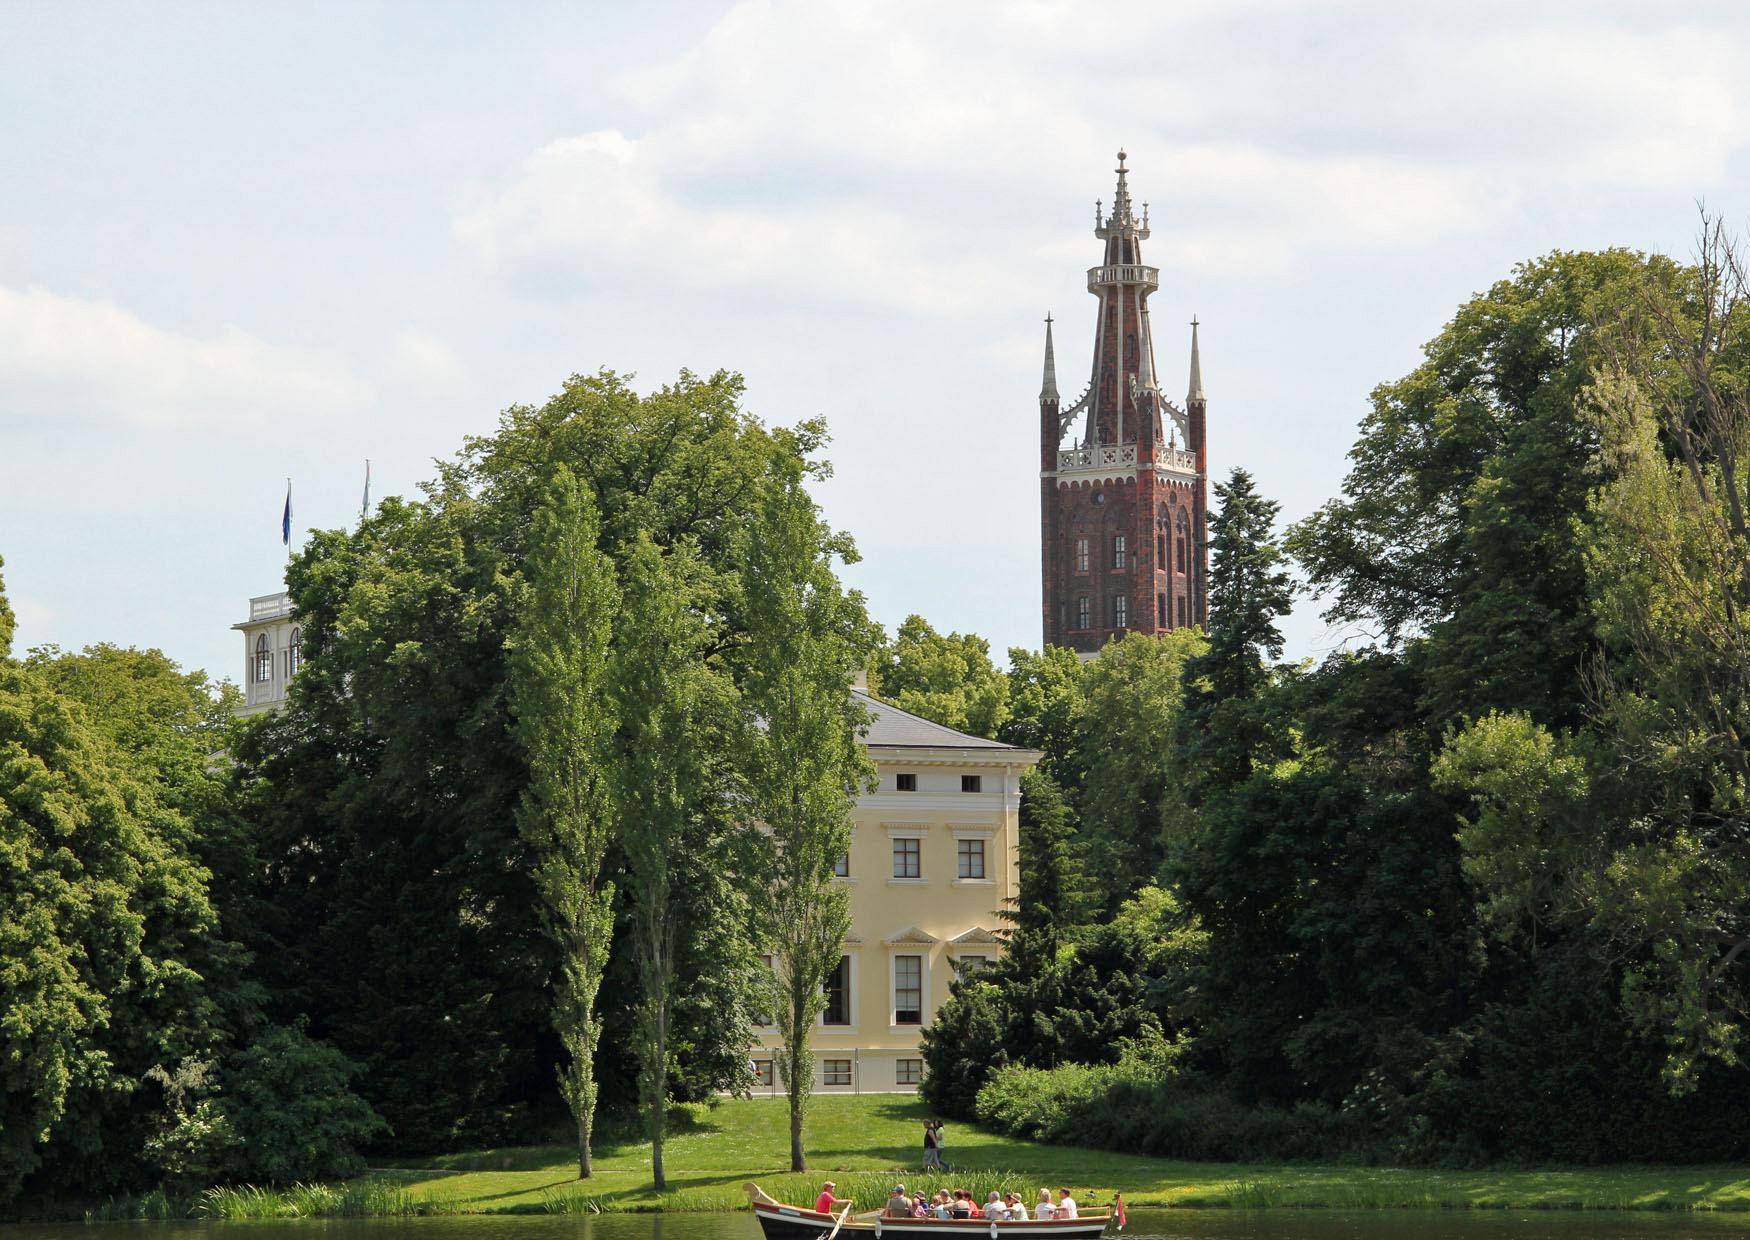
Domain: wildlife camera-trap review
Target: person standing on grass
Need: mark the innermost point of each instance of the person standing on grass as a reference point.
(932, 1155)
(826, 1202)
(941, 1141)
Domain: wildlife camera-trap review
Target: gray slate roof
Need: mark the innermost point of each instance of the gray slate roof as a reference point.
(896, 728)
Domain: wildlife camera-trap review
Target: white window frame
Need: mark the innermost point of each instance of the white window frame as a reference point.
(908, 832)
(899, 1079)
(963, 854)
(846, 1030)
(926, 1013)
(850, 1073)
(990, 857)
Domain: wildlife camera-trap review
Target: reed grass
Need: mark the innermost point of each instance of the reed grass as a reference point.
(366, 1198)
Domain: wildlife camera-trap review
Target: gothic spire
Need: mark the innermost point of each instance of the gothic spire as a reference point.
(1196, 390)
(1048, 391)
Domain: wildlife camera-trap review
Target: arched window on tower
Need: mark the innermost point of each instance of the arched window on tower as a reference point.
(1118, 551)
(1182, 545)
(263, 661)
(295, 653)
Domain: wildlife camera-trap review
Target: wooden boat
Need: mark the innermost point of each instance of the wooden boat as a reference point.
(785, 1222)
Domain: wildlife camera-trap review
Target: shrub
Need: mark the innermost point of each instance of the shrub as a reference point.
(291, 1112)
(1140, 1107)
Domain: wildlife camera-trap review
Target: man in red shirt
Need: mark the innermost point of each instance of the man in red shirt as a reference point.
(824, 1203)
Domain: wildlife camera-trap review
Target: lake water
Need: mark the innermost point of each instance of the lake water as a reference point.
(1144, 1225)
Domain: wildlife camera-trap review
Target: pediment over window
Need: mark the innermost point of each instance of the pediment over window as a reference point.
(911, 935)
(978, 934)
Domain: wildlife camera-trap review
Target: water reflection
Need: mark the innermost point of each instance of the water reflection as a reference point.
(1144, 1225)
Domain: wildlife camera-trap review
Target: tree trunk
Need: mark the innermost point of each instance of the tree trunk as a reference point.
(797, 1161)
(583, 1147)
(659, 1103)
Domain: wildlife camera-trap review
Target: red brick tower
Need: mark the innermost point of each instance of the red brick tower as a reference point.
(1122, 511)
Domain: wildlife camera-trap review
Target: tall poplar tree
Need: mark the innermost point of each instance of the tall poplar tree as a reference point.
(673, 700)
(803, 760)
(564, 721)
(1224, 723)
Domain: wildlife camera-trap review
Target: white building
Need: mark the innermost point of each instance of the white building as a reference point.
(273, 650)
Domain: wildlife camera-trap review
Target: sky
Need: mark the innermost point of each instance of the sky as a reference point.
(246, 243)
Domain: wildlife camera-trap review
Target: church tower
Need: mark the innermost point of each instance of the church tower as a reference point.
(1122, 507)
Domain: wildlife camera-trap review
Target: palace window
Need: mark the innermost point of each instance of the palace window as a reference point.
(838, 994)
(1082, 612)
(1081, 555)
(908, 1071)
(908, 990)
(762, 1073)
(842, 867)
(905, 783)
(906, 858)
(1120, 611)
(295, 652)
(1118, 552)
(971, 857)
(968, 965)
(836, 1071)
(972, 783)
(263, 661)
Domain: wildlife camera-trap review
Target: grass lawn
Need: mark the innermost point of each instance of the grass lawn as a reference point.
(870, 1141)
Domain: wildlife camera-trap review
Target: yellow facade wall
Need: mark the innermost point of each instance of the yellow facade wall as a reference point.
(939, 918)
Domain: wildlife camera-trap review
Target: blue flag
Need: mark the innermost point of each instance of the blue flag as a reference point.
(286, 519)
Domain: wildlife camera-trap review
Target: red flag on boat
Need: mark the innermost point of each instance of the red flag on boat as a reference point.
(1118, 1209)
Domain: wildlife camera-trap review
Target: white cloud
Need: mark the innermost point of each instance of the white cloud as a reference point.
(875, 154)
(423, 364)
(93, 357)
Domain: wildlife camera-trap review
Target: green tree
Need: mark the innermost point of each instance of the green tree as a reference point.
(1047, 706)
(1227, 727)
(103, 909)
(1457, 517)
(1131, 781)
(564, 720)
(398, 906)
(945, 677)
(672, 702)
(8, 621)
(802, 758)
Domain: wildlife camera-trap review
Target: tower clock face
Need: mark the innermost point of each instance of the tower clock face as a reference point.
(1099, 498)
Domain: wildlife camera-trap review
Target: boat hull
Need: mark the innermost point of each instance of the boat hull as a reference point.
(780, 1222)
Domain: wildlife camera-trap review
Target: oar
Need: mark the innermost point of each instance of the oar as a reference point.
(840, 1223)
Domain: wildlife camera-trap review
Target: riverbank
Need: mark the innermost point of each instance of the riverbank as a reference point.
(869, 1143)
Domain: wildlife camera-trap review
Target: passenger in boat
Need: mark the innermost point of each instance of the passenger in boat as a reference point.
(942, 1204)
(898, 1204)
(964, 1205)
(1016, 1207)
(993, 1209)
(826, 1203)
(921, 1208)
(1044, 1210)
(1066, 1205)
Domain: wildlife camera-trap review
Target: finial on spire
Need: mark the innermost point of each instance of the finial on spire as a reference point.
(1195, 394)
(1048, 390)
